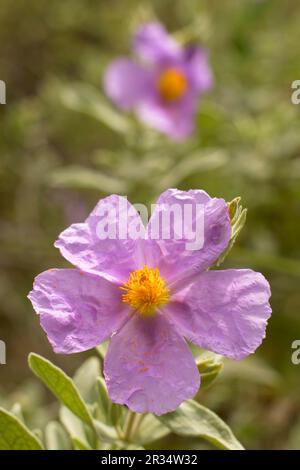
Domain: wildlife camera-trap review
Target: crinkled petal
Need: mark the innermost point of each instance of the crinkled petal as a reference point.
(197, 69)
(149, 367)
(192, 239)
(153, 44)
(105, 243)
(77, 310)
(224, 311)
(126, 83)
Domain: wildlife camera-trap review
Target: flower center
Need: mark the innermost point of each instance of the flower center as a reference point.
(145, 290)
(172, 84)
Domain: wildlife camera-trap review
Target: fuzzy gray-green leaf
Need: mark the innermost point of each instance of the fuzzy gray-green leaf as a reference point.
(60, 385)
(194, 420)
(14, 435)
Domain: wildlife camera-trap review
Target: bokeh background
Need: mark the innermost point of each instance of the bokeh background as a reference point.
(63, 146)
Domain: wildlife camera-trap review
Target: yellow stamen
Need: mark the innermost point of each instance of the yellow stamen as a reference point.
(172, 84)
(145, 291)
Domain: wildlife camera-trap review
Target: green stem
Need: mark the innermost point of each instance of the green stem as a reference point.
(137, 423)
(130, 418)
(119, 432)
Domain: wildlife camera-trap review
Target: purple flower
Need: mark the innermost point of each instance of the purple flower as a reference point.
(149, 296)
(164, 86)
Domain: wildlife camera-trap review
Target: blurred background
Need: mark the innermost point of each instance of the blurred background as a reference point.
(63, 146)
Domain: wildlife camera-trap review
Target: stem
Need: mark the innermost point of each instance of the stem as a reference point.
(137, 424)
(119, 432)
(130, 418)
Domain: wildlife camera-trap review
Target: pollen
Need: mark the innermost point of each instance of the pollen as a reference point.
(172, 84)
(145, 291)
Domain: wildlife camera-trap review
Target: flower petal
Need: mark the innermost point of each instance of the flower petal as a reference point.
(224, 311)
(177, 120)
(142, 367)
(113, 256)
(126, 83)
(153, 44)
(197, 68)
(187, 254)
(77, 310)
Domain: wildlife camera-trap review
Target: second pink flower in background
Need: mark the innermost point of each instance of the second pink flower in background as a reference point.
(163, 84)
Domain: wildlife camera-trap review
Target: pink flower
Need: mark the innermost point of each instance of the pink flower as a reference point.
(164, 87)
(150, 296)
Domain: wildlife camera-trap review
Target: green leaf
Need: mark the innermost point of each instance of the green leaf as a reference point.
(79, 445)
(103, 400)
(14, 435)
(238, 216)
(209, 366)
(74, 427)
(16, 410)
(105, 432)
(207, 160)
(56, 437)
(85, 379)
(117, 414)
(102, 350)
(60, 385)
(38, 433)
(88, 100)
(109, 412)
(131, 447)
(151, 430)
(194, 420)
(76, 176)
(208, 378)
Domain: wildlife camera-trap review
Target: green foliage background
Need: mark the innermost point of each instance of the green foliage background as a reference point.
(63, 146)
